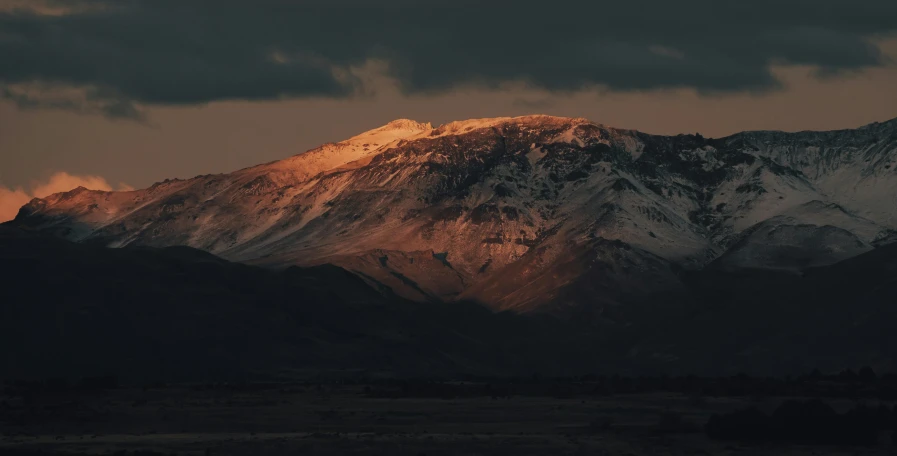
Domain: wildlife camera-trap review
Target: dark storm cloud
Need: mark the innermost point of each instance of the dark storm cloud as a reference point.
(92, 100)
(195, 51)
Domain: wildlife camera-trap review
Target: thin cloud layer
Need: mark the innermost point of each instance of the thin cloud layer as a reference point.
(12, 199)
(143, 52)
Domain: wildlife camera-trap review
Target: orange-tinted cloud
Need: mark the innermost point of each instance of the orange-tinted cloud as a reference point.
(63, 182)
(54, 8)
(11, 199)
(10, 202)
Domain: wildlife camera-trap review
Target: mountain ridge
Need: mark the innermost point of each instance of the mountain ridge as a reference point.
(545, 196)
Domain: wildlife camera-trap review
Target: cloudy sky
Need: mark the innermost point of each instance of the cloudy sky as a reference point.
(123, 93)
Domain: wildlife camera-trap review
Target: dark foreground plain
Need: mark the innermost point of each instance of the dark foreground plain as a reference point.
(570, 417)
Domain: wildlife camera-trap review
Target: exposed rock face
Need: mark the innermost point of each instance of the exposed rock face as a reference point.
(528, 213)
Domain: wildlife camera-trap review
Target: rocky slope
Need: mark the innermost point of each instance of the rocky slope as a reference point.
(533, 213)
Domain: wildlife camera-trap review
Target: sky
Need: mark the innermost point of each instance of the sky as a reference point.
(115, 94)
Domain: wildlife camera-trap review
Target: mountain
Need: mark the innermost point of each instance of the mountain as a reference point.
(74, 310)
(829, 318)
(531, 214)
(144, 314)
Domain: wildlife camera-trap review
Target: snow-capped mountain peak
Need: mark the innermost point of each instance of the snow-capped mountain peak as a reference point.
(531, 212)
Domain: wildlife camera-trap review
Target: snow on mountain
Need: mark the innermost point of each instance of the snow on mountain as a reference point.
(330, 156)
(525, 213)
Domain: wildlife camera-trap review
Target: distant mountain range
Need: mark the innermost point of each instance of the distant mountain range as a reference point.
(531, 214)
